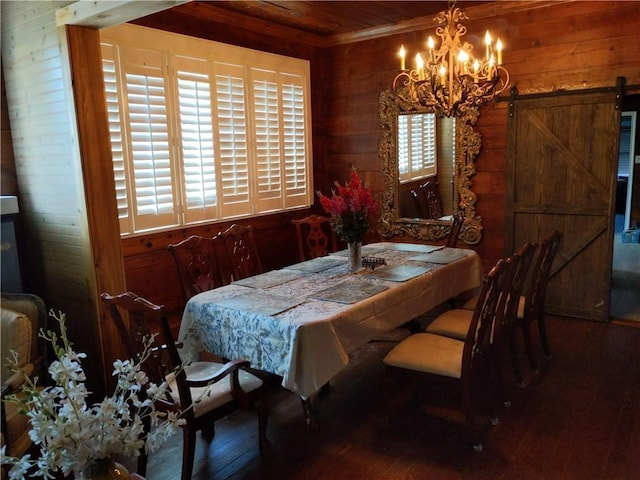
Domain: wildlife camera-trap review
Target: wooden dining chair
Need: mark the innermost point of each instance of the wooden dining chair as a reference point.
(431, 192)
(241, 250)
(196, 259)
(420, 203)
(525, 256)
(456, 227)
(428, 357)
(315, 236)
(455, 323)
(532, 302)
(203, 391)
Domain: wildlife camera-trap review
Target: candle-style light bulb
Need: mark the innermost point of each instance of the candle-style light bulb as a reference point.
(431, 45)
(402, 53)
(463, 58)
(476, 69)
(443, 74)
(487, 42)
(420, 66)
(499, 51)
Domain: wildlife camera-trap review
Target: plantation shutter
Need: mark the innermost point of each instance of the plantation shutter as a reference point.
(296, 152)
(416, 146)
(116, 134)
(231, 118)
(145, 105)
(199, 188)
(267, 136)
(429, 150)
(404, 173)
(203, 131)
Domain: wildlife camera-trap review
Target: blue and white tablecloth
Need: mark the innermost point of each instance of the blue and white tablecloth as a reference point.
(301, 322)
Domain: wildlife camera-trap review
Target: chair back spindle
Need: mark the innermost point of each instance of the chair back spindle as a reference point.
(315, 237)
(456, 228)
(196, 259)
(479, 335)
(241, 249)
(431, 193)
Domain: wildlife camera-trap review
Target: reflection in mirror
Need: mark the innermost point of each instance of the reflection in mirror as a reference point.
(426, 149)
(416, 172)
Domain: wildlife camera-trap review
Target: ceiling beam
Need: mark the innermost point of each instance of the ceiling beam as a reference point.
(101, 14)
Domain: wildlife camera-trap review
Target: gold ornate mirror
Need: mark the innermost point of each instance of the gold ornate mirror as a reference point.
(393, 219)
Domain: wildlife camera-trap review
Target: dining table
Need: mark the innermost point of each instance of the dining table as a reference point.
(302, 321)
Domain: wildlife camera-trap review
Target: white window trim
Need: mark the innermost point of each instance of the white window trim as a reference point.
(280, 137)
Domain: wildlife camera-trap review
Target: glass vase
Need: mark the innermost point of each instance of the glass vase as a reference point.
(354, 256)
(104, 469)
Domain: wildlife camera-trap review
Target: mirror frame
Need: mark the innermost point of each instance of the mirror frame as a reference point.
(468, 144)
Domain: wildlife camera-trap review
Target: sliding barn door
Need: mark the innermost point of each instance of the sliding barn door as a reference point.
(561, 160)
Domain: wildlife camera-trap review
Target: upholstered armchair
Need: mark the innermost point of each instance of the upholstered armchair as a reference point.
(22, 316)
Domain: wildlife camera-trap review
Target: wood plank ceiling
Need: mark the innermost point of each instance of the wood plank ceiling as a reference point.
(321, 23)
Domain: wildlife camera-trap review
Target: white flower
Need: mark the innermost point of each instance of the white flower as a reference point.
(73, 435)
(66, 369)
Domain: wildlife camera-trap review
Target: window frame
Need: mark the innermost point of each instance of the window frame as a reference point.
(284, 179)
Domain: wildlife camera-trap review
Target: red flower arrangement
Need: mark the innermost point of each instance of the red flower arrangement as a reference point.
(350, 207)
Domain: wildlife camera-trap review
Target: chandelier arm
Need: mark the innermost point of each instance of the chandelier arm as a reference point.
(448, 80)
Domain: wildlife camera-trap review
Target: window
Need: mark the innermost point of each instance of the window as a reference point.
(416, 146)
(624, 150)
(202, 131)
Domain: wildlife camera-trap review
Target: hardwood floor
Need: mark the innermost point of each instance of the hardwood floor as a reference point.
(578, 419)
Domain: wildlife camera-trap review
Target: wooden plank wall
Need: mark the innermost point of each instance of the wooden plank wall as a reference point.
(566, 46)
(8, 177)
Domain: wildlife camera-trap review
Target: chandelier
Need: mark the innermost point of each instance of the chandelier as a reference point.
(448, 80)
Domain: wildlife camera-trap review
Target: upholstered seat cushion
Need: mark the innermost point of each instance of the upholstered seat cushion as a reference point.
(33, 308)
(18, 427)
(15, 334)
(471, 303)
(207, 398)
(452, 323)
(429, 353)
(15, 329)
